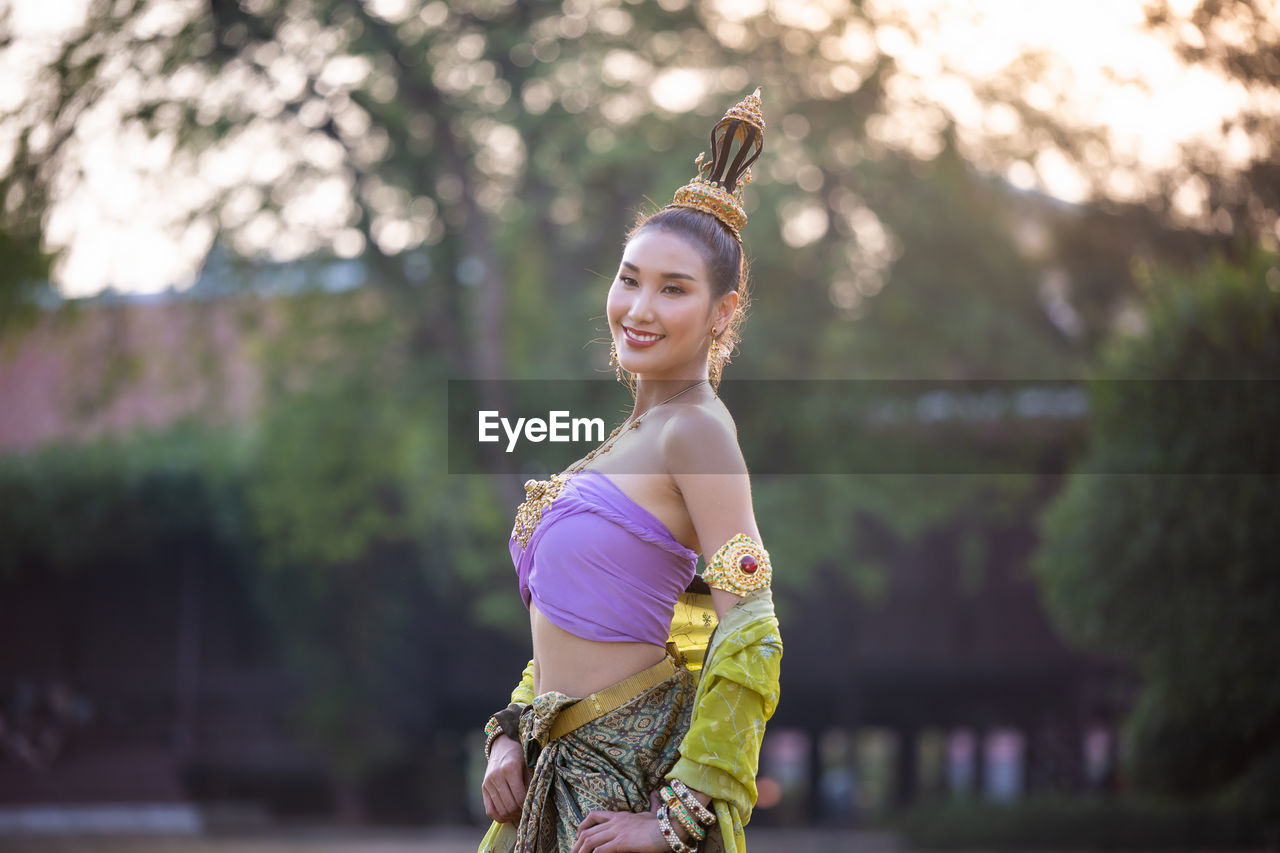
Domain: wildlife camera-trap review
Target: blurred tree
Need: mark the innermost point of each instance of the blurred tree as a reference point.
(70, 510)
(1241, 40)
(1220, 196)
(1161, 547)
(367, 549)
(23, 272)
(960, 290)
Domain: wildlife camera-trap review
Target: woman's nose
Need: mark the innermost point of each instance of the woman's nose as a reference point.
(642, 306)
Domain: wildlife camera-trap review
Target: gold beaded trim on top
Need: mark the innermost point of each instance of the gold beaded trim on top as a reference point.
(740, 566)
(717, 186)
(539, 494)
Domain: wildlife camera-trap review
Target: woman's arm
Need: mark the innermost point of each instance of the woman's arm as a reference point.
(738, 690)
(701, 452)
(506, 776)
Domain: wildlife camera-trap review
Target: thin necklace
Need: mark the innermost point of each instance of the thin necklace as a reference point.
(540, 494)
(607, 444)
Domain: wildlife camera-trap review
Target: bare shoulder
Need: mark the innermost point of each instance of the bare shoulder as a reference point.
(701, 439)
(700, 450)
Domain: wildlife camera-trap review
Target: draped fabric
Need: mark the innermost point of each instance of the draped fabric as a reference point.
(737, 694)
(610, 764)
(708, 735)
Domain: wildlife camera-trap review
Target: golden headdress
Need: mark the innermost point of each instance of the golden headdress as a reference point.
(717, 186)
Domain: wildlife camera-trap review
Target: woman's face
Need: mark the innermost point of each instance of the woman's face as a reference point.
(659, 307)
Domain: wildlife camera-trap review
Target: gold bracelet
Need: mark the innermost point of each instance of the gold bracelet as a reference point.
(677, 808)
(695, 806)
(669, 834)
(491, 730)
(740, 566)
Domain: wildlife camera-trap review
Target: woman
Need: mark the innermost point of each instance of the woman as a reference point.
(612, 742)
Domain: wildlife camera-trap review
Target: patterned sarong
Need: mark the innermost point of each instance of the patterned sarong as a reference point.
(609, 764)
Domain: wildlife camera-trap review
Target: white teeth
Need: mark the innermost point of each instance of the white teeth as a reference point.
(642, 336)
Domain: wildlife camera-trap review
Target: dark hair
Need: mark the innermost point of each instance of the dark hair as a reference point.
(721, 252)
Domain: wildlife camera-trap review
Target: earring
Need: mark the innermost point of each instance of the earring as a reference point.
(617, 368)
(714, 360)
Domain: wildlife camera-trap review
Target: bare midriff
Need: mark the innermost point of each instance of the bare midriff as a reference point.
(576, 667)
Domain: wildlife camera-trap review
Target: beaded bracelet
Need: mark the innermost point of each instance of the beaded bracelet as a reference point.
(506, 721)
(491, 731)
(674, 806)
(682, 813)
(669, 834)
(692, 803)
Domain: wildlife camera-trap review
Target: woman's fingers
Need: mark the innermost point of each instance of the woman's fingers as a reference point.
(591, 832)
(489, 808)
(502, 800)
(505, 782)
(512, 779)
(511, 799)
(619, 832)
(514, 775)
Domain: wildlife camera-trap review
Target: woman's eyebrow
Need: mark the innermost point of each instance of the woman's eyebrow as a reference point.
(683, 275)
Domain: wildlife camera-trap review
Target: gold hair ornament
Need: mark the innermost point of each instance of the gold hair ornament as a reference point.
(717, 186)
(740, 566)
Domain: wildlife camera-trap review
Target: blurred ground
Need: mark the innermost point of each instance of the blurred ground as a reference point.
(328, 840)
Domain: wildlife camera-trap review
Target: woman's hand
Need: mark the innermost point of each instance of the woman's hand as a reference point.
(620, 832)
(505, 781)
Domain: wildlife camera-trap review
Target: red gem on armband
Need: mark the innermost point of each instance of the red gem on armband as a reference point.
(748, 564)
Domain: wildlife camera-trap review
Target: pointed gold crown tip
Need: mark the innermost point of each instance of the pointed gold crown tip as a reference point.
(717, 187)
(748, 110)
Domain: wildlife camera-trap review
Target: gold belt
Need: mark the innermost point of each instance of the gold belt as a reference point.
(614, 696)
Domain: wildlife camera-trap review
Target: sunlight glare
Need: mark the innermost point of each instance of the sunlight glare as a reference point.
(678, 90)
(1101, 68)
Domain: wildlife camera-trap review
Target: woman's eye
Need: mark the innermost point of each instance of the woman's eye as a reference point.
(627, 280)
(673, 288)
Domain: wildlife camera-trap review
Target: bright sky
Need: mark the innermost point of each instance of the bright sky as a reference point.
(118, 222)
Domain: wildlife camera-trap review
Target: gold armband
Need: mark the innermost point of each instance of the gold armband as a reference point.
(740, 566)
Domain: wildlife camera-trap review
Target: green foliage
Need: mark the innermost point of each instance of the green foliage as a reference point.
(352, 638)
(24, 267)
(1231, 40)
(355, 616)
(1053, 823)
(1176, 571)
(327, 488)
(72, 509)
(365, 543)
(813, 520)
(961, 302)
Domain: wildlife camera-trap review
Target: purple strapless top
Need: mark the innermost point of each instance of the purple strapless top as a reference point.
(601, 566)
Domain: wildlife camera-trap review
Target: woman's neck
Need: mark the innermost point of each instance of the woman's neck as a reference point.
(654, 392)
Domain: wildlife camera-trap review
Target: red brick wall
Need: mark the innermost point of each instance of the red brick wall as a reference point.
(91, 370)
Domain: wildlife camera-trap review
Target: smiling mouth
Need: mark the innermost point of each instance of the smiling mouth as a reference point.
(641, 337)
